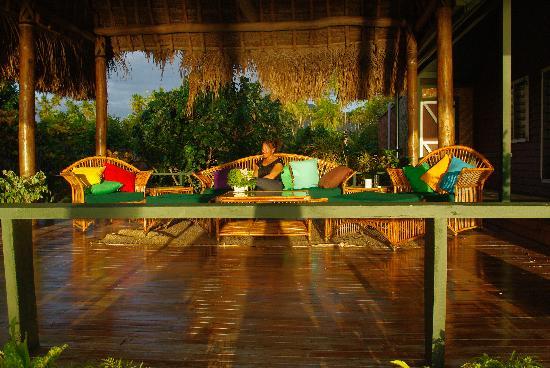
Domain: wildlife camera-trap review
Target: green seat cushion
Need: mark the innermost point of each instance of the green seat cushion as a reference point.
(437, 197)
(377, 197)
(413, 174)
(215, 192)
(116, 197)
(317, 192)
(172, 198)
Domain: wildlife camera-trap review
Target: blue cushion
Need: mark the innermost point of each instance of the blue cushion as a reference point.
(305, 173)
(448, 181)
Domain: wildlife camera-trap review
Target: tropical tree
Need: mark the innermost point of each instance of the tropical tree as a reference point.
(9, 102)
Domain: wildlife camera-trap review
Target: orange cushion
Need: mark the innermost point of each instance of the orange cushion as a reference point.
(433, 176)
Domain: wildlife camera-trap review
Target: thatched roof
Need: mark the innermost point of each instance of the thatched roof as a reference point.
(296, 46)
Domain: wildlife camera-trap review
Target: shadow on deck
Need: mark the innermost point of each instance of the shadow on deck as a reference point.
(282, 306)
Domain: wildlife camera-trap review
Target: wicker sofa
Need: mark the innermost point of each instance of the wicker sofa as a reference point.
(468, 187)
(78, 192)
(206, 177)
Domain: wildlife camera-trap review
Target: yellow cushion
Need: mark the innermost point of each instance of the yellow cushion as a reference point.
(433, 176)
(89, 175)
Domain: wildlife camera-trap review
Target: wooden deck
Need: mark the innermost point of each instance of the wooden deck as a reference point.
(210, 306)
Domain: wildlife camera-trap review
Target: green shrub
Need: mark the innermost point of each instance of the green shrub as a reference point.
(515, 361)
(17, 189)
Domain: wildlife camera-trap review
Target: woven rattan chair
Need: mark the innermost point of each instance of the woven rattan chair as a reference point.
(78, 187)
(469, 185)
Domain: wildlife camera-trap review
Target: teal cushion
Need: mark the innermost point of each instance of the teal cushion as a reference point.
(286, 178)
(105, 187)
(362, 197)
(413, 174)
(116, 197)
(172, 198)
(305, 173)
(448, 181)
(317, 192)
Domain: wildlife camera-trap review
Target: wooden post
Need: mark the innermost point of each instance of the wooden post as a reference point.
(412, 100)
(19, 274)
(506, 100)
(27, 150)
(445, 110)
(100, 97)
(435, 291)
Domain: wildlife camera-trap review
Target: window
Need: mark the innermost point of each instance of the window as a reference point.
(545, 125)
(520, 110)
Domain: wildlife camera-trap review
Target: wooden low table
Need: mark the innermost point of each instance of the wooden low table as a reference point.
(350, 190)
(256, 227)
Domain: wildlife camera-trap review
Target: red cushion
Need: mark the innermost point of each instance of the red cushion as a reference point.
(115, 173)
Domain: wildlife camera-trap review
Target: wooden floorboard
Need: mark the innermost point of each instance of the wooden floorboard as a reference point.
(208, 306)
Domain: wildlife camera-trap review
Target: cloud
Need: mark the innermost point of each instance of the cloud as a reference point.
(143, 78)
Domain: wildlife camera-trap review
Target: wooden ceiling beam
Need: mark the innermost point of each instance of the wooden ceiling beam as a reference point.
(429, 12)
(249, 26)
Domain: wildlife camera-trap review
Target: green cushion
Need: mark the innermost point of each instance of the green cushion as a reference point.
(437, 197)
(172, 198)
(317, 192)
(116, 197)
(377, 197)
(305, 173)
(215, 192)
(105, 187)
(413, 174)
(286, 178)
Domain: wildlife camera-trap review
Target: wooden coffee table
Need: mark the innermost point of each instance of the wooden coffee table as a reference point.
(265, 227)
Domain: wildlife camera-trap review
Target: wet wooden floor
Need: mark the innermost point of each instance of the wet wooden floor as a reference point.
(206, 306)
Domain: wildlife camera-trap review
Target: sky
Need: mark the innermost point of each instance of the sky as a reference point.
(143, 78)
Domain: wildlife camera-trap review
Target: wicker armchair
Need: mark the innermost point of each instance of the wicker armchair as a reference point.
(469, 185)
(206, 177)
(78, 187)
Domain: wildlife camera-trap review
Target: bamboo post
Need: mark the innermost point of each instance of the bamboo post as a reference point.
(19, 275)
(27, 150)
(412, 100)
(435, 291)
(100, 97)
(506, 100)
(445, 110)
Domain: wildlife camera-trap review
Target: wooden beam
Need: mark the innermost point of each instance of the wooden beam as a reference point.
(19, 275)
(413, 141)
(249, 27)
(506, 100)
(435, 291)
(100, 97)
(27, 125)
(445, 108)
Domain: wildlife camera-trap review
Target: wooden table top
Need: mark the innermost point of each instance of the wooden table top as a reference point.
(265, 197)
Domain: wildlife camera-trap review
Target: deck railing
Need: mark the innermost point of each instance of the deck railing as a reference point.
(18, 252)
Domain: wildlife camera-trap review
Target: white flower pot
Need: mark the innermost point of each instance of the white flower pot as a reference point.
(240, 189)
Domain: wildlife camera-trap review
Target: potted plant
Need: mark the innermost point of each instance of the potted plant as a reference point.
(241, 179)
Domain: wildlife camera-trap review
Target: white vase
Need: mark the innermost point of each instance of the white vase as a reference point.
(240, 189)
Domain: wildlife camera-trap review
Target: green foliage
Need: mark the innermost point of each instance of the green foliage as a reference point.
(515, 361)
(116, 363)
(9, 102)
(220, 127)
(241, 178)
(327, 113)
(319, 141)
(17, 189)
(15, 354)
